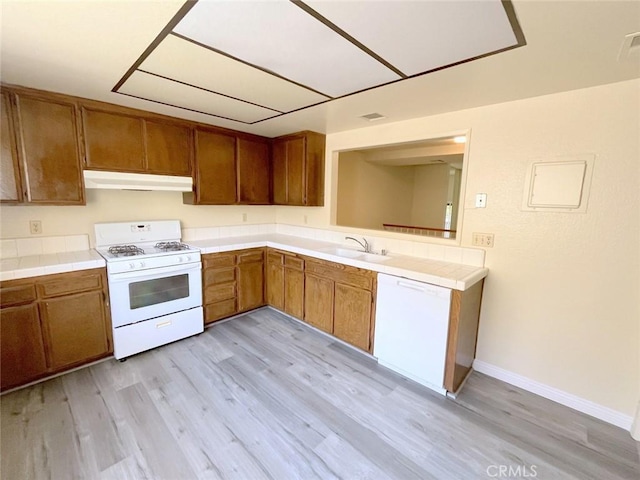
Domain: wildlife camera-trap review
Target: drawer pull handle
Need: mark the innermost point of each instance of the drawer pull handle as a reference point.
(163, 324)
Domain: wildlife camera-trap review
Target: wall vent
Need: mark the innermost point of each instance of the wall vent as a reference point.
(373, 116)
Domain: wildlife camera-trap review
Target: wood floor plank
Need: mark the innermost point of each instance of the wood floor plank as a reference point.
(266, 397)
(154, 440)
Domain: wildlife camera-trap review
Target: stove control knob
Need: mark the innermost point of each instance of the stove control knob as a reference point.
(141, 264)
(132, 266)
(188, 258)
(180, 259)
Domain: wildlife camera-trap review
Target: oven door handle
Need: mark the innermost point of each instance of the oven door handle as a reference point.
(141, 275)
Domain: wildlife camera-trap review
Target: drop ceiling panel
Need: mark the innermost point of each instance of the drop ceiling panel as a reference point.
(282, 38)
(190, 63)
(419, 36)
(168, 92)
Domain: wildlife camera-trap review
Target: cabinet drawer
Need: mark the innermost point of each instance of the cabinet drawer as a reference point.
(219, 310)
(218, 260)
(294, 263)
(215, 276)
(252, 256)
(70, 283)
(342, 273)
(17, 295)
(216, 293)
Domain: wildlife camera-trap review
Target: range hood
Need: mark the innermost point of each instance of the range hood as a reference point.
(136, 181)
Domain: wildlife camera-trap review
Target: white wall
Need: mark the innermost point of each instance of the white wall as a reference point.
(430, 194)
(372, 194)
(561, 301)
(123, 205)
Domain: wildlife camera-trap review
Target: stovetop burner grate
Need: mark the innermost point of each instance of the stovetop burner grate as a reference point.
(171, 246)
(125, 250)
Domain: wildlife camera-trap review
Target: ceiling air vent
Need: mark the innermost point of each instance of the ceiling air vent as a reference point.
(630, 46)
(372, 116)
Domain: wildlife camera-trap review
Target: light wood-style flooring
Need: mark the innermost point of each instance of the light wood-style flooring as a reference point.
(264, 397)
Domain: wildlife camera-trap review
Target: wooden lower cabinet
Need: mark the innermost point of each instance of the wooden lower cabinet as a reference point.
(339, 301)
(74, 329)
(285, 282)
(319, 301)
(294, 292)
(22, 356)
(51, 323)
(250, 285)
(352, 315)
(275, 284)
(232, 282)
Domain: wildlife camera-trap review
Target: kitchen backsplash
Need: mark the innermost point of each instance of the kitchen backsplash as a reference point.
(22, 247)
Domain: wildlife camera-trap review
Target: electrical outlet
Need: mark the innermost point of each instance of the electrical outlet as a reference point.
(305, 219)
(483, 239)
(35, 227)
(244, 217)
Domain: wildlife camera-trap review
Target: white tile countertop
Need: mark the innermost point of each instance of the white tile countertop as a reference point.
(49, 263)
(457, 276)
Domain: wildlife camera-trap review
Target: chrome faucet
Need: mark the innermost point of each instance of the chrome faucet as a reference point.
(365, 245)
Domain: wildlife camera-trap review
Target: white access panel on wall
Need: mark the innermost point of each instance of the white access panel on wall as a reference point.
(559, 185)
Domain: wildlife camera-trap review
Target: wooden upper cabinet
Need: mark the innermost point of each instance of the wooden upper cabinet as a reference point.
(169, 148)
(48, 150)
(113, 142)
(253, 171)
(230, 169)
(298, 169)
(215, 168)
(10, 185)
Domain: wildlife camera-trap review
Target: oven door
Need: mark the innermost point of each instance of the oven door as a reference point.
(137, 296)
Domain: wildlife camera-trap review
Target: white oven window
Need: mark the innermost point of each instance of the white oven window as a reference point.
(159, 290)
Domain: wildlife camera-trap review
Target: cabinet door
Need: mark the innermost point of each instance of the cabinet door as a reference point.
(296, 176)
(22, 356)
(215, 168)
(49, 151)
(10, 186)
(318, 300)
(113, 142)
(250, 286)
(294, 292)
(275, 285)
(169, 148)
(352, 315)
(75, 328)
(279, 172)
(253, 171)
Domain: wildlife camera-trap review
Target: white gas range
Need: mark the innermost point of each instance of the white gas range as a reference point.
(155, 284)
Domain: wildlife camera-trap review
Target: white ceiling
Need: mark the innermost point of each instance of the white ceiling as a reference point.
(85, 48)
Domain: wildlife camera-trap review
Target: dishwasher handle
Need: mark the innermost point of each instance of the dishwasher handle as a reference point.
(419, 287)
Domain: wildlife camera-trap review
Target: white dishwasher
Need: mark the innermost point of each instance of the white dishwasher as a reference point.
(412, 324)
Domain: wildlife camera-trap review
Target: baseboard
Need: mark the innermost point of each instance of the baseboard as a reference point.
(596, 410)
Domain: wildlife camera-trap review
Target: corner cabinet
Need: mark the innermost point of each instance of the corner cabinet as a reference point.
(229, 169)
(298, 169)
(285, 282)
(41, 155)
(52, 323)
